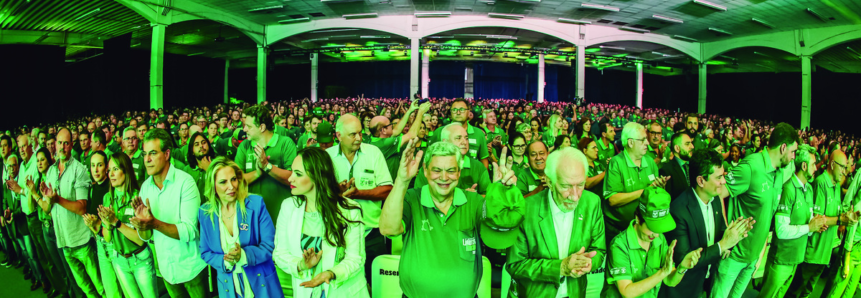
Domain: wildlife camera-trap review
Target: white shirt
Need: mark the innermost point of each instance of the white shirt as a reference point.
(709, 220)
(176, 203)
(369, 170)
(563, 222)
(72, 185)
(28, 169)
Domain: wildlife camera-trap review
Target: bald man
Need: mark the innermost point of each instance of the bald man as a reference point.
(364, 175)
(822, 248)
(390, 141)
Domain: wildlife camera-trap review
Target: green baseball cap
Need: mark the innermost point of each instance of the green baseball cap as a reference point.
(324, 132)
(503, 212)
(655, 207)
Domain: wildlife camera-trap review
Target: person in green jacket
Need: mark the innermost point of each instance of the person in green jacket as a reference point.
(561, 219)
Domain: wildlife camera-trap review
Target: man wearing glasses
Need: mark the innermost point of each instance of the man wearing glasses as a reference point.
(130, 148)
(628, 174)
(823, 248)
(658, 149)
(477, 141)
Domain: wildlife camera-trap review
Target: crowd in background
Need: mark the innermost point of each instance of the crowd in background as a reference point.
(298, 198)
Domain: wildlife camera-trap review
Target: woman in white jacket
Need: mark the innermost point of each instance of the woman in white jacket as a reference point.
(320, 239)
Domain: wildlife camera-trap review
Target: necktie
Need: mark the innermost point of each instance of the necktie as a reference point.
(687, 177)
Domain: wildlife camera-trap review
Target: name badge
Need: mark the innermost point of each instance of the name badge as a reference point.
(369, 171)
(136, 166)
(249, 165)
(472, 141)
(468, 241)
(129, 211)
(473, 152)
(651, 177)
(532, 187)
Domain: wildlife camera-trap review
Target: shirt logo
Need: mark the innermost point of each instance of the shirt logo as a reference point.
(629, 181)
(617, 271)
(765, 186)
(730, 178)
(426, 225)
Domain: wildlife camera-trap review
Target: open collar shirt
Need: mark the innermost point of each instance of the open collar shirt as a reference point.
(73, 184)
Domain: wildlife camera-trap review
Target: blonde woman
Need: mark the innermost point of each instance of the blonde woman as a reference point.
(237, 235)
(320, 238)
(554, 129)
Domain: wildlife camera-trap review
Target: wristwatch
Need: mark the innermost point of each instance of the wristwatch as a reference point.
(267, 168)
(682, 270)
(117, 225)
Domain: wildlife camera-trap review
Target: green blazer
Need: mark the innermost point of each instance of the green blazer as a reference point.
(534, 261)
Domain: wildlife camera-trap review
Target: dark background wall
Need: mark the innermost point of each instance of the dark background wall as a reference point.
(38, 86)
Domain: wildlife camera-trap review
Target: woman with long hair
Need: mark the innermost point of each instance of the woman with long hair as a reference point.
(562, 141)
(583, 129)
(60, 282)
(237, 235)
(133, 261)
(98, 191)
(320, 235)
(554, 124)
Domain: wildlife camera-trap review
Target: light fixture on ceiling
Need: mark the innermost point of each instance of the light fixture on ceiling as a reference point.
(375, 36)
(504, 16)
(315, 39)
(710, 5)
(765, 66)
(334, 30)
(762, 22)
(294, 21)
(854, 52)
(817, 15)
(89, 14)
(464, 8)
(495, 36)
(668, 19)
(266, 9)
(433, 14)
(660, 54)
(599, 7)
(762, 54)
(632, 29)
(721, 31)
(570, 21)
(685, 38)
(612, 48)
(440, 36)
(334, 46)
(195, 54)
(727, 57)
(360, 15)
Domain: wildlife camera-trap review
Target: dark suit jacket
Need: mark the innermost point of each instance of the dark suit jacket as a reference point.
(690, 234)
(678, 183)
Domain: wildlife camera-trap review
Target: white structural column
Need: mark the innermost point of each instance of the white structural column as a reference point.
(315, 60)
(226, 76)
(156, 70)
(701, 102)
(261, 73)
(580, 71)
(414, 66)
(425, 72)
(468, 82)
(540, 92)
(806, 70)
(639, 84)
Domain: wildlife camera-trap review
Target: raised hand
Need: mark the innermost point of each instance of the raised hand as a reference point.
(502, 171)
(318, 280)
(13, 186)
(107, 215)
(817, 224)
(204, 163)
(143, 219)
(92, 222)
(311, 258)
(472, 189)
(691, 259)
(667, 268)
(262, 159)
(410, 161)
(48, 192)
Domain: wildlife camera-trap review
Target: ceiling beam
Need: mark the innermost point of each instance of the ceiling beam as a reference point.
(63, 39)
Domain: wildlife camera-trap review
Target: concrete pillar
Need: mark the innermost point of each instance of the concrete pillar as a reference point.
(468, 81)
(639, 84)
(226, 76)
(414, 66)
(315, 60)
(425, 72)
(806, 87)
(540, 96)
(261, 73)
(580, 72)
(701, 102)
(156, 69)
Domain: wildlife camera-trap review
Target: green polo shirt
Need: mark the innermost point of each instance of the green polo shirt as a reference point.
(826, 201)
(441, 256)
(756, 186)
(303, 139)
(794, 204)
(623, 176)
(477, 141)
(596, 170)
(139, 166)
(281, 152)
(619, 122)
(527, 181)
(629, 261)
(522, 166)
(121, 204)
(605, 150)
(472, 172)
(224, 147)
(496, 132)
(391, 149)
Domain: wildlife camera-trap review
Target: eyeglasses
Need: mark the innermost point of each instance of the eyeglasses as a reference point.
(655, 132)
(130, 139)
(842, 166)
(518, 147)
(459, 110)
(639, 140)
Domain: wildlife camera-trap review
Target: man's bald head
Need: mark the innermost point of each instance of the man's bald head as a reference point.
(838, 166)
(347, 120)
(194, 129)
(378, 126)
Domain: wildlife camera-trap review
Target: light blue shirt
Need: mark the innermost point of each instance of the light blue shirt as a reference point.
(28, 169)
(73, 185)
(176, 203)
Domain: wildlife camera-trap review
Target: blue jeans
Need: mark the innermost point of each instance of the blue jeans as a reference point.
(732, 278)
(82, 263)
(136, 274)
(30, 256)
(109, 279)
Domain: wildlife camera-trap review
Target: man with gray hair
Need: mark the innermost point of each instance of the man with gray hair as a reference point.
(566, 218)
(444, 227)
(475, 176)
(628, 174)
(365, 178)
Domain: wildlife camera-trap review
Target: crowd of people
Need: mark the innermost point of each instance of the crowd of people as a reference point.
(296, 199)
